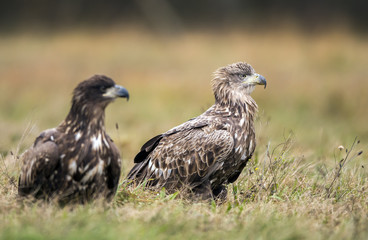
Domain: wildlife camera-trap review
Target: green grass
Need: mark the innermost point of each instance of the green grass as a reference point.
(295, 187)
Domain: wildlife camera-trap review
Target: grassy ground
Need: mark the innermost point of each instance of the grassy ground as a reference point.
(299, 185)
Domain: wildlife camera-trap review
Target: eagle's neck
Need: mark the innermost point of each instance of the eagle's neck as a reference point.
(238, 108)
(84, 118)
(237, 103)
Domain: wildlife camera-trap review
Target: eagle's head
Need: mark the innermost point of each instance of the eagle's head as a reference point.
(235, 81)
(97, 92)
(89, 101)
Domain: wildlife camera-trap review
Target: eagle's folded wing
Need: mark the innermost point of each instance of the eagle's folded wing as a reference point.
(186, 157)
(39, 163)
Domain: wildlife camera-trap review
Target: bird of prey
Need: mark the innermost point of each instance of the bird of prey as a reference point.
(76, 161)
(205, 153)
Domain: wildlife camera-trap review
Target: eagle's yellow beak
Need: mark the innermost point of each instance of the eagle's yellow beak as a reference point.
(255, 79)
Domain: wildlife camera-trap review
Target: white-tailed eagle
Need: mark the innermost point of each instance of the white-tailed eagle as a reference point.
(76, 161)
(209, 151)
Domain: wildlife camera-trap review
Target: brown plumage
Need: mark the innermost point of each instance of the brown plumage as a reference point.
(209, 151)
(76, 161)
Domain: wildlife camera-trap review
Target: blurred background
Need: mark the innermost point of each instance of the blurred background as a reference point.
(314, 55)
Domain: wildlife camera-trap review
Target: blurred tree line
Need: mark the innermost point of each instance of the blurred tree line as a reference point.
(175, 15)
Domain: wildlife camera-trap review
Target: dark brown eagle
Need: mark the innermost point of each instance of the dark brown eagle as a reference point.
(209, 151)
(76, 161)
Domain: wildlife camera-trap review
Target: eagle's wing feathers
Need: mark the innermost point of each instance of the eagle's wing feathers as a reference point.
(113, 168)
(151, 144)
(147, 148)
(182, 158)
(39, 162)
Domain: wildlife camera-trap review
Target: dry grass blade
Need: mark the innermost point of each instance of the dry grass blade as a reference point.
(340, 165)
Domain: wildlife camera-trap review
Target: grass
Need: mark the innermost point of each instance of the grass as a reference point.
(299, 184)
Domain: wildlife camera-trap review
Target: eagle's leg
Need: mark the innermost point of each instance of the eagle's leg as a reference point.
(220, 193)
(203, 191)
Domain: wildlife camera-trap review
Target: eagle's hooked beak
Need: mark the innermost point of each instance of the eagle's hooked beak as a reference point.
(117, 91)
(256, 79)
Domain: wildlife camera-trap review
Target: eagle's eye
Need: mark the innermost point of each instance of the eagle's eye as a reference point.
(242, 76)
(102, 88)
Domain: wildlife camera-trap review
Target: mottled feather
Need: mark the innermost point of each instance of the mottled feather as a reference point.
(76, 161)
(209, 151)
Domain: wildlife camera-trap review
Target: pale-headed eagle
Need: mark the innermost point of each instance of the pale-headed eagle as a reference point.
(76, 161)
(209, 151)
